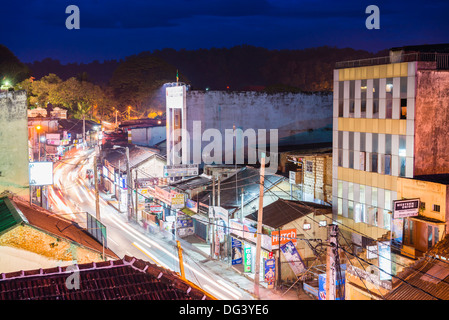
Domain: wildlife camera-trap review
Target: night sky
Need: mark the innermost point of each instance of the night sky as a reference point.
(112, 29)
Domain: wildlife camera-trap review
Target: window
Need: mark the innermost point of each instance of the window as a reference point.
(403, 97)
(389, 98)
(351, 98)
(309, 166)
(402, 166)
(362, 141)
(373, 162)
(351, 159)
(388, 144)
(363, 88)
(362, 161)
(436, 208)
(387, 160)
(376, 98)
(375, 142)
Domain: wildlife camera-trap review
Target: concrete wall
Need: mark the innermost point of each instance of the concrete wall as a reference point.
(299, 118)
(148, 137)
(431, 122)
(14, 143)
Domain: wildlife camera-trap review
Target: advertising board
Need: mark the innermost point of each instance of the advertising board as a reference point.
(405, 208)
(41, 173)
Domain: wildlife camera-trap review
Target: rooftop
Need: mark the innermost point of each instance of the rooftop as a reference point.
(437, 53)
(437, 178)
(282, 212)
(124, 279)
(14, 211)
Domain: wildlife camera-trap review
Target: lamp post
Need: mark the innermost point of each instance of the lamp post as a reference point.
(128, 180)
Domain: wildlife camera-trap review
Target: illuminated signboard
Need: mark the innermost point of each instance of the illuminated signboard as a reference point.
(41, 173)
(405, 208)
(175, 97)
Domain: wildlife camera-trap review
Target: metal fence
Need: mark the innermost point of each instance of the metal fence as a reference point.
(441, 60)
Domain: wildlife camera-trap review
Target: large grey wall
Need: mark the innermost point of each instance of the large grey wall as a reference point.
(300, 118)
(14, 156)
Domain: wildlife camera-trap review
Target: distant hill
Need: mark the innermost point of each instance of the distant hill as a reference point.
(238, 68)
(97, 72)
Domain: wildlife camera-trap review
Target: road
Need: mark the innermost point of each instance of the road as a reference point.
(72, 196)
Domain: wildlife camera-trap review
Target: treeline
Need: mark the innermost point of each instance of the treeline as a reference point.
(239, 68)
(137, 80)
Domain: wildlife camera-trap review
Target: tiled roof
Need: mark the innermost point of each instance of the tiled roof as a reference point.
(281, 212)
(49, 222)
(126, 279)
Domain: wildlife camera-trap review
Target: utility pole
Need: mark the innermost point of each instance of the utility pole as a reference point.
(136, 189)
(84, 129)
(129, 183)
(212, 248)
(241, 213)
(119, 190)
(331, 263)
(97, 197)
(259, 227)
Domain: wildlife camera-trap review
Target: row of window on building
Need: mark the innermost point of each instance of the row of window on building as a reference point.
(385, 98)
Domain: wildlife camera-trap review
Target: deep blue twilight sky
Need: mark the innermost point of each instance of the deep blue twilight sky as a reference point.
(112, 29)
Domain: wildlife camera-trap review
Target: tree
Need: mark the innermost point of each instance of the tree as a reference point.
(79, 97)
(11, 69)
(138, 82)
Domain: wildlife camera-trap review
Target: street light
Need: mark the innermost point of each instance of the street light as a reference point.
(128, 180)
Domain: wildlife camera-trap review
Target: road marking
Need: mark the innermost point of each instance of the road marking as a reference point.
(146, 252)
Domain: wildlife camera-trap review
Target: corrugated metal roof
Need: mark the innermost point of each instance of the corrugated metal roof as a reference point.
(281, 212)
(419, 282)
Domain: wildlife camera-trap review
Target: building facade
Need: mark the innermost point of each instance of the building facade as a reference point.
(389, 123)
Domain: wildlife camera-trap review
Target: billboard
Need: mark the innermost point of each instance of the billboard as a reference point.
(181, 170)
(175, 97)
(293, 258)
(237, 253)
(177, 200)
(405, 208)
(247, 259)
(286, 236)
(41, 173)
(270, 272)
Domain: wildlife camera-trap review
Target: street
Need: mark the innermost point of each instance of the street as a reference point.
(71, 196)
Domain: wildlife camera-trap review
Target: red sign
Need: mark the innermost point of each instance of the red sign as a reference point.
(286, 236)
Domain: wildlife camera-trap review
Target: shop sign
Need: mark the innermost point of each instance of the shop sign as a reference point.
(270, 272)
(405, 208)
(286, 236)
(177, 200)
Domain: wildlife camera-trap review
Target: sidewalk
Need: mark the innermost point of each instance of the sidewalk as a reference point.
(198, 250)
